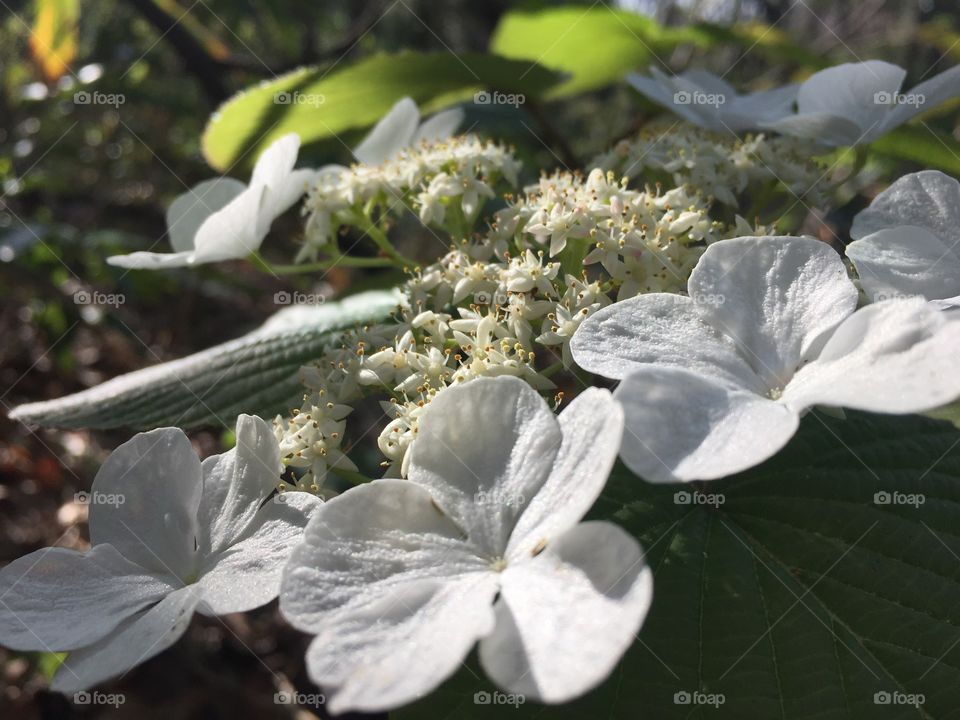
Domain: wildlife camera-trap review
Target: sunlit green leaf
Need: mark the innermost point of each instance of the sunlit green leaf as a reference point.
(323, 103)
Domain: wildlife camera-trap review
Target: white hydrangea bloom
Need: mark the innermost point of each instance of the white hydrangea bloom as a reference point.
(706, 100)
(170, 536)
(433, 178)
(717, 165)
(399, 579)
(515, 311)
(906, 242)
(716, 382)
(856, 103)
(223, 219)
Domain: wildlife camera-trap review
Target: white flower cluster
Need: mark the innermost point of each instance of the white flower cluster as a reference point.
(645, 240)
(311, 438)
(502, 305)
(444, 181)
(718, 164)
(720, 335)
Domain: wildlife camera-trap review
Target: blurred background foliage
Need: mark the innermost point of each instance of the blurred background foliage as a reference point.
(81, 181)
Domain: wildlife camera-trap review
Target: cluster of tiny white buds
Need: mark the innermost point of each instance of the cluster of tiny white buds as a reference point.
(445, 182)
(716, 165)
(504, 303)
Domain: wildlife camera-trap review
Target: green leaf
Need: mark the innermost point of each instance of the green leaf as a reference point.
(49, 662)
(950, 413)
(598, 45)
(799, 597)
(324, 103)
(923, 145)
(256, 373)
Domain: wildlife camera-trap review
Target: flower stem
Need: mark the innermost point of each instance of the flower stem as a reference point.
(339, 259)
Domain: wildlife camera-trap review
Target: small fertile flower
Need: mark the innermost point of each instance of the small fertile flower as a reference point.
(401, 128)
(716, 382)
(906, 242)
(223, 219)
(170, 536)
(856, 103)
(398, 579)
(702, 98)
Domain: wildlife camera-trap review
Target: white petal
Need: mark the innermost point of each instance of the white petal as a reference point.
(484, 449)
(947, 304)
(157, 477)
(708, 82)
(363, 545)
(232, 232)
(135, 640)
(927, 199)
(235, 484)
(188, 211)
(661, 328)
(59, 599)
(277, 199)
(247, 574)
(152, 260)
(592, 426)
(440, 126)
(748, 111)
(905, 261)
(898, 356)
(777, 297)
(565, 617)
(389, 136)
(393, 591)
(404, 645)
(680, 426)
(276, 162)
(850, 90)
(695, 85)
(926, 96)
(664, 95)
(823, 127)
